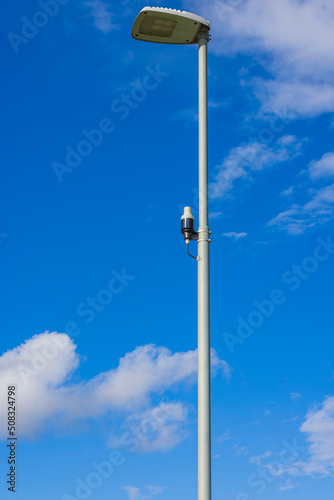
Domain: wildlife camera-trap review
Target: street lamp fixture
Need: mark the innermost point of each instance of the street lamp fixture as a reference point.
(155, 24)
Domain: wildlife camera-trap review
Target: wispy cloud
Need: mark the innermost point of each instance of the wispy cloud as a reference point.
(297, 218)
(187, 115)
(159, 428)
(295, 395)
(319, 208)
(287, 486)
(224, 437)
(257, 459)
(287, 192)
(240, 450)
(148, 491)
(153, 490)
(323, 167)
(215, 215)
(246, 161)
(191, 114)
(218, 104)
(234, 235)
(132, 492)
(102, 16)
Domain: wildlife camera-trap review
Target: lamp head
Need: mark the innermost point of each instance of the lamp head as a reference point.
(155, 24)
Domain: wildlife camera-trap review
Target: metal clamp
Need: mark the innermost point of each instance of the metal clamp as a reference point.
(204, 239)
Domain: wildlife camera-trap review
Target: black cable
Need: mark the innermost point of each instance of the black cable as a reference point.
(190, 253)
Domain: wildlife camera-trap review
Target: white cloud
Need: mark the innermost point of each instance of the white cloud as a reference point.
(319, 208)
(293, 40)
(102, 16)
(224, 437)
(187, 115)
(287, 486)
(246, 160)
(190, 115)
(157, 429)
(295, 396)
(294, 99)
(37, 367)
(150, 491)
(234, 235)
(132, 492)
(322, 168)
(287, 192)
(257, 459)
(153, 490)
(42, 366)
(315, 460)
(215, 215)
(240, 450)
(319, 430)
(218, 104)
(297, 218)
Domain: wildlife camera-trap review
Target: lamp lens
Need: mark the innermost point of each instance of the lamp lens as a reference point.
(157, 26)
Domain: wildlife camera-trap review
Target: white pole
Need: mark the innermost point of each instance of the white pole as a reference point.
(204, 410)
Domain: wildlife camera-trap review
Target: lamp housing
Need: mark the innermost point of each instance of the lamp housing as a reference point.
(160, 25)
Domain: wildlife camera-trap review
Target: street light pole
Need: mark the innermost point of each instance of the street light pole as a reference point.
(171, 26)
(204, 386)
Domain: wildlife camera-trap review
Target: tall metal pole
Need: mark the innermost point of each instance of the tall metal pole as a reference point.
(204, 397)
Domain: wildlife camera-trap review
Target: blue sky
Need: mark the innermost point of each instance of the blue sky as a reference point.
(99, 158)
